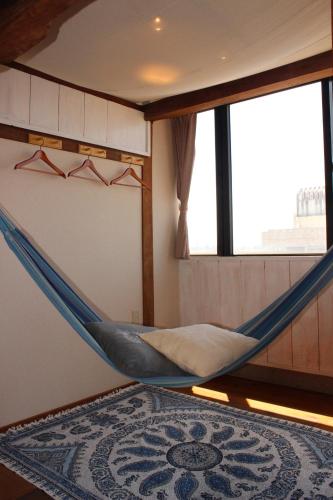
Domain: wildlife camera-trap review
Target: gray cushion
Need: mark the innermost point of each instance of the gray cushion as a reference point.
(130, 354)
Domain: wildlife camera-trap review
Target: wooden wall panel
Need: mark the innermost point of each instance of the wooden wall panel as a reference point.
(325, 320)
(277, 281)
(252, 287)
(253, 294)
(230, 293)
(244, 286)
(305, 342)
(188, 293)
(208, 291)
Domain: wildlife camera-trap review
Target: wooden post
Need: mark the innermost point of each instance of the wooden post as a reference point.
(147, 242)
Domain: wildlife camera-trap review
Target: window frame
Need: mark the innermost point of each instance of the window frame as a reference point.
(224, 174)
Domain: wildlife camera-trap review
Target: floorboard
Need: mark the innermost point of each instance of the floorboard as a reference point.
(238, 391)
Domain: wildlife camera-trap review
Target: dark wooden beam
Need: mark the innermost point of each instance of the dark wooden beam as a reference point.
(300, 72)
(147, 243)
(71, 145)
(25, 23)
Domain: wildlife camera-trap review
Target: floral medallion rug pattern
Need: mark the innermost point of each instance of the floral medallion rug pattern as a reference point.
(147, 442)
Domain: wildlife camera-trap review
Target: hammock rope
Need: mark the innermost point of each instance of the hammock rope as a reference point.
(265, 326)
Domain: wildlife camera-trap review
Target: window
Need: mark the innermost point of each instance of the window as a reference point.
(202, 201)
(273, 176)
(278, 173)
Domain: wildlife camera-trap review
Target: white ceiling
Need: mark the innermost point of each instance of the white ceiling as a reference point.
(111, 45)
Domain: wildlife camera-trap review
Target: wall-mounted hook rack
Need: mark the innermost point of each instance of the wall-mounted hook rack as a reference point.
(90, 151)
(132, 160)
(48, 142)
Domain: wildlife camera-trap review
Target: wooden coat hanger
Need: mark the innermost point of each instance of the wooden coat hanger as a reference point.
(88, 163)
(40, 155)
(129, 172)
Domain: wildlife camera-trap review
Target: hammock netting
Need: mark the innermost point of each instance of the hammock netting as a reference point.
(265, 326)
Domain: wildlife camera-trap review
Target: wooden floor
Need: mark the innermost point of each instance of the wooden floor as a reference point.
(238, 391)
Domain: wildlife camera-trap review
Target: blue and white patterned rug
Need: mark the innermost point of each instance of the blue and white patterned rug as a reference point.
(146, 442)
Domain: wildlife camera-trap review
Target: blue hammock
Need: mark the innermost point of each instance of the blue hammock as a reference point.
(265, 326)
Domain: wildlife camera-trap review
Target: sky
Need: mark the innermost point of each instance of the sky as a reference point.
(277, 149)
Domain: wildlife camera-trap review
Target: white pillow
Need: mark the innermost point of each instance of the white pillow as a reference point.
(200, 349)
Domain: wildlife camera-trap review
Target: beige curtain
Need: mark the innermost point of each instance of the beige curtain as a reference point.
(183, 132)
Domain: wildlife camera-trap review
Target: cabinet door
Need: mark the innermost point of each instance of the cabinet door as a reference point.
(71, 113)
(95, 119)
(4, 94)
(127, 129)
(14, 97)
(44, 106)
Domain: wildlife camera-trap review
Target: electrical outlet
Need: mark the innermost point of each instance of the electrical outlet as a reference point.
(135, 317)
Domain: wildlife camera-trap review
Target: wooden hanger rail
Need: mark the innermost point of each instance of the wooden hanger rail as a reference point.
(40, 155)
(129, 172)
(88, 163)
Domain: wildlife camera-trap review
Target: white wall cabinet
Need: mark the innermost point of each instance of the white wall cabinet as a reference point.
(14, 97)
(4, 95)
(44, 105)
(95, 120)
(127, 129)
(71, 112)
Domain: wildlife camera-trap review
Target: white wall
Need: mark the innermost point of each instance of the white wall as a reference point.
(93, 233)
(165, 214)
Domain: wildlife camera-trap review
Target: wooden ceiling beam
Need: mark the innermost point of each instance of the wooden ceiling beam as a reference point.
(304, 71)
(25, 23)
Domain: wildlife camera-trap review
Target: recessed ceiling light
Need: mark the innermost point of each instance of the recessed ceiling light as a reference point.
(223, 58)
(157, 24)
